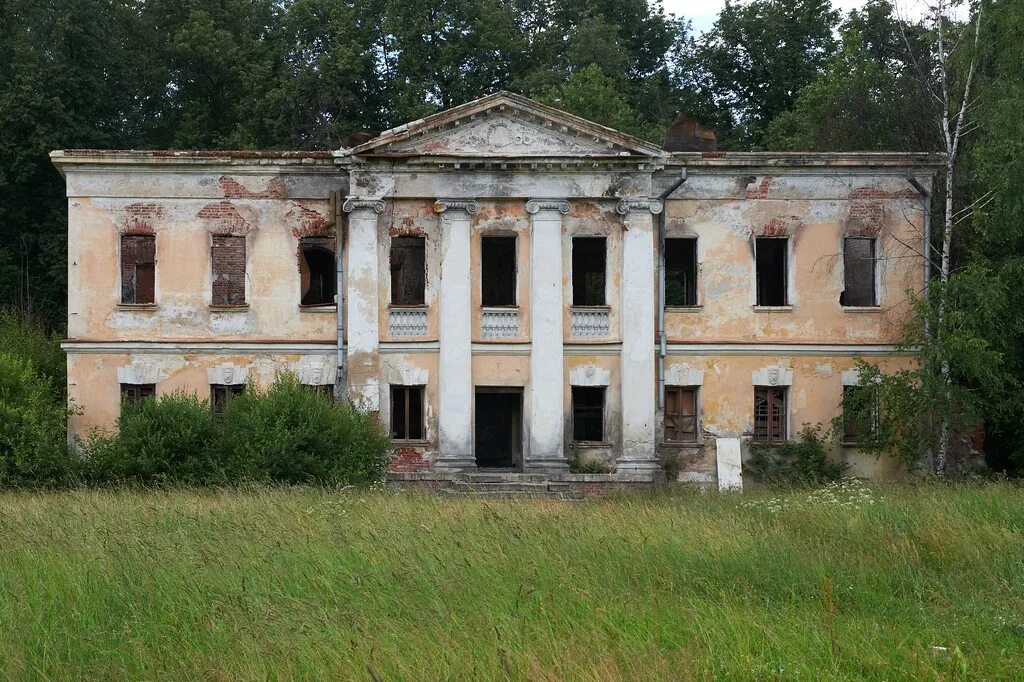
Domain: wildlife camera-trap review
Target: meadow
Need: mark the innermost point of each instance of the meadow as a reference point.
(848, 582)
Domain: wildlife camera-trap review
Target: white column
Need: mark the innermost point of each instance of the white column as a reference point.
(361, 303)
(547, 417)
(455, 373)
(637, 321)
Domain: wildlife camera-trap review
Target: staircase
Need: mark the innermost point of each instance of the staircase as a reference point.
(510, 486)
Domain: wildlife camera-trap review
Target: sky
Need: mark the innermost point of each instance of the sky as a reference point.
(704, 12)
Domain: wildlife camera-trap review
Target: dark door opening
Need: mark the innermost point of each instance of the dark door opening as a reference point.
(499, 429)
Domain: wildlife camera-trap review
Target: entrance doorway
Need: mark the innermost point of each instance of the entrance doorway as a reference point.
(499, 428)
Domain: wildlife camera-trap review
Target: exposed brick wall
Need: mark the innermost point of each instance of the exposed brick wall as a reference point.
(233, 189)
(228, 256)
(408, 459)
(139, 218)
(224, 218)
(761, 191)
(138, 272)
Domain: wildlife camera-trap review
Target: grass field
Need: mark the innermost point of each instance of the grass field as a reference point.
(893, 583)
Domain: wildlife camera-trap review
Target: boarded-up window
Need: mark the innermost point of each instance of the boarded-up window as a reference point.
(498, 271)
(681, 271)
(588, 413)
(769, 414)
(320, 390)
(588, 270)
(859, 272)
(407, 412)
(408, 270)
(771, 271)
(860, 412)
(138, 268)
(317, 272)
(680, 414)
(221, 395)
(134, 394)
(228, 257)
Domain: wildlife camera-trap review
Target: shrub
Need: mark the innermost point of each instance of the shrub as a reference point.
(33, 445)
(26, 339)
(801, 462)
(289, 434)
(173, 438)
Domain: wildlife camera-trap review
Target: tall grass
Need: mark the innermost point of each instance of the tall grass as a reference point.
(283, 583)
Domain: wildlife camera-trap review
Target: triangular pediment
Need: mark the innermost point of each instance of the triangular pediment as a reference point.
(504, 125)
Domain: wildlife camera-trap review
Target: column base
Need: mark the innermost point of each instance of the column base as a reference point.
(457, 464)
(550, 464)
(638, 466)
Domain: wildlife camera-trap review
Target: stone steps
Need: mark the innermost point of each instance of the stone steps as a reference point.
(521, 489)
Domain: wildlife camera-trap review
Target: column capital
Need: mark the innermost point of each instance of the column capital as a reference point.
(357, 204)
(468, 205)
(626, 206)
(536, 205)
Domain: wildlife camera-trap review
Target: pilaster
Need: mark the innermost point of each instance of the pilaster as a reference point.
(455, 371)
(362, 327)
(547, 419)
(637, 315)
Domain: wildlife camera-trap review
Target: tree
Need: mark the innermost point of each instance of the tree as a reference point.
(760, 54)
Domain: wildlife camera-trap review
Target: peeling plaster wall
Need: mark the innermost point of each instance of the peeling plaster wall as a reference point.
(183, 210)
(726, 403)
(727, 213)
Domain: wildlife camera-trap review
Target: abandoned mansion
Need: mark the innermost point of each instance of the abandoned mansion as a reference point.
(508, 286)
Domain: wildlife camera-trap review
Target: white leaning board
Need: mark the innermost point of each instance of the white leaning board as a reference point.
(730, 468)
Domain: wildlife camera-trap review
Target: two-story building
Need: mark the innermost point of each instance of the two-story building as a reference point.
(507, 285)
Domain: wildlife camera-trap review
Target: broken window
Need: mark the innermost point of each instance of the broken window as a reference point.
(588, 270)
(317, 272)
(408, 270)
(407, 412)
(228, 257)
(221, 395)
(859, 272)
(681, 272)
(680, 414)
(771, 270)
(134, 394)
(769, 414)
(138, 268)
(588, 413)
(498, 271)
(860, 412)
(320, 390)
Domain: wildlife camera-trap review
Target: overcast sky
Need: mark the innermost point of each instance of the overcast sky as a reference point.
(704, 12)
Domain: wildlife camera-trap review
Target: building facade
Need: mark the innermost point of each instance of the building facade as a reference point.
(517, 288)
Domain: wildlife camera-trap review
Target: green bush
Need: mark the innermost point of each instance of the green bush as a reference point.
(289, 434)
(173, 438)
(33, 443)
(801, 462)
(26, 339)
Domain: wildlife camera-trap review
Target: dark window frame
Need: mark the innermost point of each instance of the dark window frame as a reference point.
(323, 289)
(320, 390)
(848, 290)
(577, 392)
(581, 290)
(490, 290)
(689, 277)
(766, 399)
(674, 419)
(222, 394)
(764, 297)
(135, 394)
(398, 293)
(130, 280)
(407, 431)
